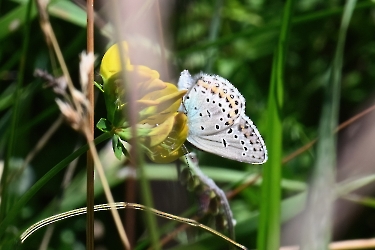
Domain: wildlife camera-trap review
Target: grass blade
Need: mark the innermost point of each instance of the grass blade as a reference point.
(269, 224)
(319, 207)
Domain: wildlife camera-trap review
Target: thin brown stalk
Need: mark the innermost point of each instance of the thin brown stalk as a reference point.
(90, 133)
(240, 188)
(340, 127)
(51, 38)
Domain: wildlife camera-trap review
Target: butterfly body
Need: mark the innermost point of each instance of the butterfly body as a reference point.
(217, 120)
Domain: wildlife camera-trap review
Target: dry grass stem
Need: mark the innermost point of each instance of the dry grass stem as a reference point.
(51, 39)
(340, 127)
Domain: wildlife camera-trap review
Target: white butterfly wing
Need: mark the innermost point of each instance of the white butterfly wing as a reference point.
(185, 81)
(241, 142)
(217, 121)
(212, 105)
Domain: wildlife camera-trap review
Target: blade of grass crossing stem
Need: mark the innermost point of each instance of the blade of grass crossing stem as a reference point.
(269, 221)
(16, 209)
(318, 220)
(13, 126)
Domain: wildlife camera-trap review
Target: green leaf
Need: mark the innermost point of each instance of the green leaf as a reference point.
(68, 11)
(14, 20)
(118, 147)
(104, 125)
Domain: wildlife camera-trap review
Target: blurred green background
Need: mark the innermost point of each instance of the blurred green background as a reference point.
(234, 39)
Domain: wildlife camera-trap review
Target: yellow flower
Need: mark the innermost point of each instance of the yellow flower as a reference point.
(163, 129)
(171, 148)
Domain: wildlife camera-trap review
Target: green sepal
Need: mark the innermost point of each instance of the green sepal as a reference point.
(113, 96)
(118, 148)
(104, 125)
(126, 133)
(99, 86)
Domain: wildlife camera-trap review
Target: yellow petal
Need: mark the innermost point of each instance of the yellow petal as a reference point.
(146, 72)
(172, 147)
(169, 102)
(111, 63)
(160, 133)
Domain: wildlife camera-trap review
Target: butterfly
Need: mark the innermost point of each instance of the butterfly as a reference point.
(217, 120)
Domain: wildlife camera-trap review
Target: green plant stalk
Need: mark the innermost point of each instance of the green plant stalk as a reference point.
(15, 212)
(318, 224)
(14, 121)
(269, 221)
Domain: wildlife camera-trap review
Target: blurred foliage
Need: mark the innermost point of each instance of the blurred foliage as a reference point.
(241, 51)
